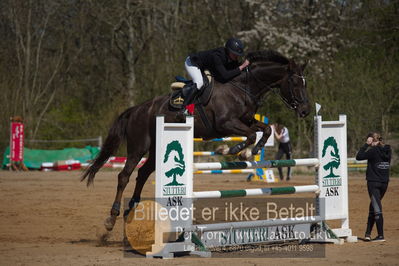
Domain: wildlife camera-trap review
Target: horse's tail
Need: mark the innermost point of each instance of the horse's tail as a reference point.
(116, 134)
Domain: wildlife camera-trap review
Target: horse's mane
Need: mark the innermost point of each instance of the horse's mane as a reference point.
(267, 55)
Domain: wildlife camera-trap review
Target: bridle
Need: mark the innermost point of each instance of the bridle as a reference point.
(297, 97)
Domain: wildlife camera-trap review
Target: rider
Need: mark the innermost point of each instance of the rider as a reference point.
(222, 62)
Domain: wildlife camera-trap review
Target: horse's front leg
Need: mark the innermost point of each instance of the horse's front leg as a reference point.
(267, 131)
(236, 127)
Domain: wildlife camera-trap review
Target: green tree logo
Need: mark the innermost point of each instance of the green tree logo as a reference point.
(179, 165)
(335, 160)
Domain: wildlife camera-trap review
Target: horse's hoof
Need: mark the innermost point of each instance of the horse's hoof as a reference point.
(110, 222)
(256, 150)
(222, 150)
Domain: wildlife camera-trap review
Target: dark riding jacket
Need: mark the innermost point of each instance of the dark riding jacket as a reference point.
(378, 162)
(218, 62)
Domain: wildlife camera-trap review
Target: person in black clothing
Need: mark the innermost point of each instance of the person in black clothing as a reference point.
(378, 156)
(222, 62)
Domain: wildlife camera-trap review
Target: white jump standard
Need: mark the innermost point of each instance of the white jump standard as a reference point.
(174, 190)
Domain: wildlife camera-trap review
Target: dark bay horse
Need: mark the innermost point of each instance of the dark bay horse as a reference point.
(231, 111)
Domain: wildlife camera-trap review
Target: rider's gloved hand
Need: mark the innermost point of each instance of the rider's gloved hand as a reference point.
(244, 65)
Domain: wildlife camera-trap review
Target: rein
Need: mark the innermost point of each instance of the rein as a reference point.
(253, 97)
(267, 87)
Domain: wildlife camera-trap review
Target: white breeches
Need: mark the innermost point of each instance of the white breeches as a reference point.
(194, 72)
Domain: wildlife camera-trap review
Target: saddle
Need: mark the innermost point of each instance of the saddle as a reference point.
(180, 91)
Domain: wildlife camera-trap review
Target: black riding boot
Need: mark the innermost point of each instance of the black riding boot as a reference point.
(188, 99)
(191, 95)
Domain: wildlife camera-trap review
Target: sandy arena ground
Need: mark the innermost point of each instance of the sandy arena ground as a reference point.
(51, 218)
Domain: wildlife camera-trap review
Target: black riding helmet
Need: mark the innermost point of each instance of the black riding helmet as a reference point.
(235, 46)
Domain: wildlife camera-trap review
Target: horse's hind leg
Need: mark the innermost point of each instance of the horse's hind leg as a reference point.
(123, 180)
(143, 174)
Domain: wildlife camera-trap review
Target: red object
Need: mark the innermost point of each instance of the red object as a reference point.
(17, 142)
(190, 108)
(117, 160)
(142, 162)
(67, 165)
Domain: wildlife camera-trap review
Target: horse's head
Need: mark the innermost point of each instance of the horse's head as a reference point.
(271, 69)
(293, 89)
